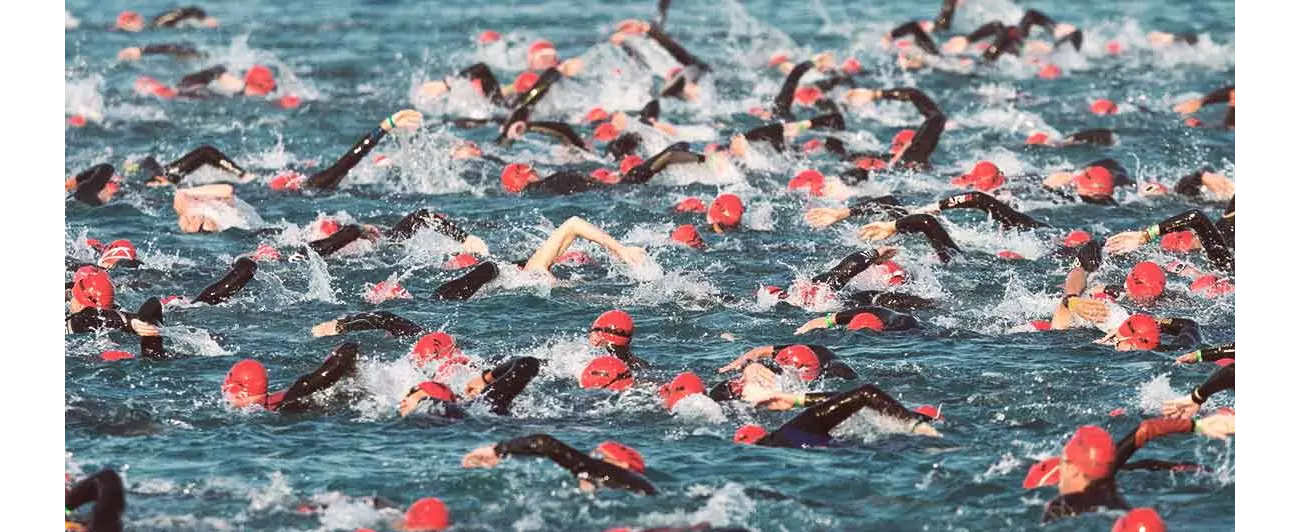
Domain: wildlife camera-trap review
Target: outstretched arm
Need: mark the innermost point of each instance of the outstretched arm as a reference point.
(329, 178)
(563, 236)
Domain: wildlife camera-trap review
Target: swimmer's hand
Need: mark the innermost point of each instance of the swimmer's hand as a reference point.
(955, 45)
(1180, 408)
(571, 67)
(475, 245)
(1125, 242)
(129, 54)
(753, 354)
(409, 119)
(739, 146)
(484, 457)
(144, 329)
(433, 89)
(1188, 107)
(1057, 180)
(158, 181)
(475, 387)
(1218, 426)
(878, 230)
(885, 253)
(1037, 47)
(825, 216)
(812, 325)
(1190, 358)
(1092, 310)
(925, 429)
(1221, 186)
(631, 254)
(329, 328)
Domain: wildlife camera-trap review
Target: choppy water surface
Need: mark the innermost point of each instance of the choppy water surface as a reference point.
(1009, 398)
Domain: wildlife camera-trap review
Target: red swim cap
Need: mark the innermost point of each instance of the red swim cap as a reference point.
(686, 234)
(286, 180)
(247, 376)
(614, 327)
(115, 251)
(1077, 238)
(726, 211)
(777, 59)
(605, 132)
(807, 95)
(1045, 473)
(749, 434)
(1095, 181)
(608, 372)
(426, 514)
(902, 137)
(1049, 71)
(596, 114)
(265, 252)
(929, 410)
(866, 320)
(92, 287)
(540, 46)
(1037, 137)
(1145, 282)
(809, 179)
(984, 176)
(803, 359)
(112, 356)
(629, 162)
(76, 121)
(127, 18)
(812, 145)
(459, 261)
(1041, 325)
(488, 37)
(1114, 47)
(617, 452)
(603, 175)
(1091, 451)
(1010, 255)
(690, 204)
(1180, 242)
(259, 81)
(385, 290)
(1139, 520)
(851, 66)
(683, 385)
(516, 176)
(290, 101)
(437, 390)
(871, 163)
(433, 346)
(891, 270)
(1142, 331)
(525, 81)
(1211, 286)
(1102, 106)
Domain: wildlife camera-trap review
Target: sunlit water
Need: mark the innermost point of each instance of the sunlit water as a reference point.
(190, 464)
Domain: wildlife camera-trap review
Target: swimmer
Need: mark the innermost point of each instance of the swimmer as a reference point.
(189, 16)
(182, 51)
(257, 81)
(246, 383)
(610, 464)
(1224, 95)
(105, 490)
(496, 387)
(1212, 239)
(91, 307)
(1185, 407)
(813, 426)
(94, 186)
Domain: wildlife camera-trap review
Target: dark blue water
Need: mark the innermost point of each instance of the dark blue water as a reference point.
(1009, 398)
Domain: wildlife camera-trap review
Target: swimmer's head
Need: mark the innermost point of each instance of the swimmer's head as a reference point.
(516, 176)
(1095, 181)
(1103, 106)
(901, 140)
(687, 234)
(683, 385)
(1139, 520)
(1087, 457)
(1037, 138)
(807, 96)
(629, 162)
(802, 359)
(749, 434)
(427, 514)
(1138, 333)
(985, 176)
(725, 212)
(422, 391)
(116, 251)
(620, 455)
(613, 327)
(691, 204)
(433, 346)
(810, 179)
(606, 372)
(1145, 282)
(259, 81)
(467, 150)
(866, 320)
(1180, 242)
(524, 82)
(1076, 238)
(542, 55)
(91, 288)
(130, 21)
(245, 384)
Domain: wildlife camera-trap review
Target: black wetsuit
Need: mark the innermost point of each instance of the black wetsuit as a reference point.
(1222, 96)
(919, 36)
(176, 16)
(1000, 212)
(229, 285)
(1099, 136)
(1185, 332)
(91, 319)
(677, 153)
(774, 134)
(894, 321)
(391, 323)
(582, 465)
(1212, 239)
(329, 178)
(199, 157)
(508, 381)
(1222, 379)
(406, 228)
(785, 97)
(917, 154)
(813, 426)
(179, 51)
(1104, 493)
(341, 363)
(624, 353)
(896, 301)
(848, 268)
(943, 22)
(465, 286)
(105, 490)
(1219, 352)
(934, 232)
(90, 182)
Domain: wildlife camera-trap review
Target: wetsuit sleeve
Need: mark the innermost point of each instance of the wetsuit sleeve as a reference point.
(943, 22)
(105, 490)
(1223, 379)
(933, 231)
(1000, 212)
(421, 219)
(341, 363)
(1218, 96)
(785, 97)
(831, 364)
(1121, 174)
(1219, 352)
(1186, 333)
(674, 49)
(559, 130)
(773, 134)
(1075, 38)
(923, 103)
(565, 182)
(199, 157)
(887, 205)
(463, 287)
(649, 112)
(488, 81)
(202, 77)
(329, 178)
(93, 319)
(833, 120)
(918, 34)
(987, 30)
(580, 464)
(1007, 41)
(623, 145)
(179, 15)
(331, 244)
(678, 153)
(387, 321)
(528, 99)
(1100, 136)
(1212, 242)
(1145, 432)
(848, 268)
(1034, 17)
(926, 140)
(176, 50)
(508, 381)
(625, 354)
(1190, 184)
(821, 418)
(151, 347)
(225, 288)
(895, 301)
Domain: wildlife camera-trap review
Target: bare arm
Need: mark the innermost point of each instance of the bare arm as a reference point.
(563, 237)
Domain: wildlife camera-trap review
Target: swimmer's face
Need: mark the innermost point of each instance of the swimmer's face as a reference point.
(594, 339)
(243, 400)
(543, 59)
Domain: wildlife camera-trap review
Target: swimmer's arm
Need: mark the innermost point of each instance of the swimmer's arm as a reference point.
(1190, 184)
(785, 97)
(1035, 17)
(1002, 213)
(230, 284)
(1216, 250)
(933, 231)
(925, 141)
(918, 34)
(987, 30)
(559, 130)
(202, 77)
(176, 50)
(923, 103)
(678, 153)
(943, 22)
(329, 245)
(387, 321)
(1218, 96)
(676, 50)
(1146, 431)
(329, 178)
(341, 363)
(885, 204)
(1075, 282)
(105, 490)
(1223, 379)
(216, 191)
(545, 445)
(1211, 354)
